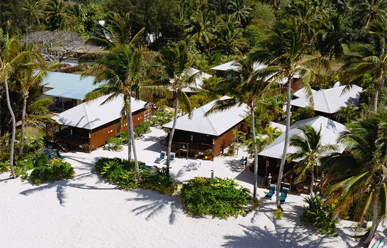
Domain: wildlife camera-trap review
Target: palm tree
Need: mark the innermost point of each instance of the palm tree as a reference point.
(368, 10)
(121, 68)
(176, 61)
(200, 28)
(246, 86)
(10, 58)
(117, 30)
(361, 172)
(229, 36)
(371, 59)
(284, 51)
(34, 9)
(347, 114)
(28, 78)
(309, 151)
(57, 13)
(240, 11)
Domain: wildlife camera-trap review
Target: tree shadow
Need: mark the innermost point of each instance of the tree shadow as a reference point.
(279, 237)
(156, 147)
(234, 165)
(157, 203)
(153, 138)
(62, 185)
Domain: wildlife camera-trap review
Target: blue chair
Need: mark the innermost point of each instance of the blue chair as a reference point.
(56, 154)
(172, 157)
(271, 191)
(47, 152)
(284, 194)
(161, 158)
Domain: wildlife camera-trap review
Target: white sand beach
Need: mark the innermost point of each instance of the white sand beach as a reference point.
(88, 212)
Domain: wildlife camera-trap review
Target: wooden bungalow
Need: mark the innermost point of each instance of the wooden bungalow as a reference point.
(206, 136)
(67, 90)
(197, 83)
(271, 155)
(90, 124)
(328, 102)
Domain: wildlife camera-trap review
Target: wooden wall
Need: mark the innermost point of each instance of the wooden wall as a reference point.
(99, 136)
(225, 139)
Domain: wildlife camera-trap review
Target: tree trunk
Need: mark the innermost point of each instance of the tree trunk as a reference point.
(24, 110)
(286, 143)
(377, 90)
(13, 128)
(172, 132)
(368, 22)
(375, 217)
(255, 152)
(131, 137)
(311, 180)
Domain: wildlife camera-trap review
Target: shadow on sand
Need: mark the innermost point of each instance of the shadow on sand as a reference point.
(155, 202)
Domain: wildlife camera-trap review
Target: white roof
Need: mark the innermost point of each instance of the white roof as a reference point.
(215, 123)
(194, 86)
(330, 131)
(302, 92)
(92, 114)
(330, 100)
(233, 65)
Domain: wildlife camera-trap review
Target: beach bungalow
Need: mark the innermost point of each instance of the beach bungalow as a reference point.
(271, 155)
(329, 101)
(197, 83)
(207, 136)
(67, 90)
(89, 125)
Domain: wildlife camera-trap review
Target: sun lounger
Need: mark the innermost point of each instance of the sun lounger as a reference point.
(284, 194)
(56, 154)
(172, 157)
(148, 167)
(161, 158)
(271, 191)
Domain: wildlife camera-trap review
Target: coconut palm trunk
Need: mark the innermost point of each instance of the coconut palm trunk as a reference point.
(255, 151)
(172, 132)
(23, 126)
(375, 217)
(311, 180)
(377, 90)
(286, 143)
(131, 136)
(13, 128)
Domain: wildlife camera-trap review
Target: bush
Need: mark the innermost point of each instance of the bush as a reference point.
(22, 166)
(141, 129)
(115, 143)
(319, 216)
(278, 214)
(118, 171)
(4, 166)
(56, 171)
(41, 159)
(221, 198)
(156, 179)
(124, 136)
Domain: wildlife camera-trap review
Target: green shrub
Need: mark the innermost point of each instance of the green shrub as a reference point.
(156, 179)
(41, 159)
(118, 171)
(56, 171)
(115, 143)
(4, 166)
(141, 129)
(22, 166)
(278, 214)
(221, 198)
(124, 136)
(319, 215)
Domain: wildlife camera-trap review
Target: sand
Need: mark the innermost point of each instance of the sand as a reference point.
(88, 212)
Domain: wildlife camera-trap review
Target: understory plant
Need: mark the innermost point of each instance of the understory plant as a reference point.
(115, 143)
(143, 128)
(54, 171)
(319, 216)
(122, 173)
(221, 198)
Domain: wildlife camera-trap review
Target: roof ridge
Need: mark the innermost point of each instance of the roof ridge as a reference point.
(209, 121)
(86, 114)
(326, 101)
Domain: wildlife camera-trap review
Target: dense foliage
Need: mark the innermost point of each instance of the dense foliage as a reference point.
(221, 198)
(55, 171)
(122, 173)
(319, 216)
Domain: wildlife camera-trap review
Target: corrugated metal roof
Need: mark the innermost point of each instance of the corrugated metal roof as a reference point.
(302, 92)
(194, 86)
(330, 100)
(71, 85)
(215, 123)
(92, 114)
(233, 65)
(330, 131)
